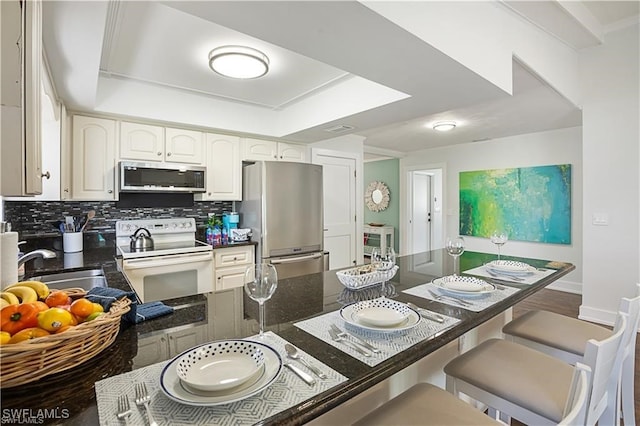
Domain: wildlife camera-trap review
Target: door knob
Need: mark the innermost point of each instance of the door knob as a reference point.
(46, 175)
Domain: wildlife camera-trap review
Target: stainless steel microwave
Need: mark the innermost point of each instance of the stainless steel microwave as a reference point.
(160, 177)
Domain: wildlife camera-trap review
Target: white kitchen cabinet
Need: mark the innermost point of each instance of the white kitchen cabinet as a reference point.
(93, 159)
(141, 142)
(224, 168)
(230, 264)
(227, 311)
(183, 146)
(145, 142)
(257, 149)
(159, 347)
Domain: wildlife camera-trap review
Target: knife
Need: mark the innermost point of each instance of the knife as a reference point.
(359, 341)
(428, 315)
(304, 376)
(454, 299)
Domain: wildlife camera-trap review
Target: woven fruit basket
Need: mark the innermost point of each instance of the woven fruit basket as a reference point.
(34, 359)
(364, 276)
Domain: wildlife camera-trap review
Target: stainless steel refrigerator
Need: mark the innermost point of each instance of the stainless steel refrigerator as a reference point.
(282, 204)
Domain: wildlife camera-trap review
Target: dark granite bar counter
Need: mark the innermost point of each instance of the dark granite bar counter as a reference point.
(72, 394)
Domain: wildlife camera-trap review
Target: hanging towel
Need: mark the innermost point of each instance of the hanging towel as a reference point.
(107, 295)
(151, 310)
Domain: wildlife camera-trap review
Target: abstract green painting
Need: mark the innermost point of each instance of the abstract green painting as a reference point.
(530, 203)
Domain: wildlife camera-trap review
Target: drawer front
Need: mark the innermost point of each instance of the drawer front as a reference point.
(233, 256)
(228, 278)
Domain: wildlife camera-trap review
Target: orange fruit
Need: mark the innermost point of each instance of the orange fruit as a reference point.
(27, 334)
(57, 298)
(82, 308)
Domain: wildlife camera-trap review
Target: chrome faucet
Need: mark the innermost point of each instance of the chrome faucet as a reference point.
(44, 253)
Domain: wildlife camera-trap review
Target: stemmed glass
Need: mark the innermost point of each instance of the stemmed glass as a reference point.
(260, 282)
(383, 260)
(499, 238)
(455, 248)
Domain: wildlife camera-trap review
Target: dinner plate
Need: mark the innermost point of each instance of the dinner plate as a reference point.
(464, 286)
(178, 391)
(380, 314)
(220, 365)
(510, 267)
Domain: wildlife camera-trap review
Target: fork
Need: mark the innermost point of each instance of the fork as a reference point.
(506, 276)
(124, 410)
(358, 340)
(349, 343)
(455, 299)
(143, 398)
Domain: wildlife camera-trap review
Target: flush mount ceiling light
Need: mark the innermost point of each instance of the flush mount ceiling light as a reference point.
(444, 126)
(238, 62)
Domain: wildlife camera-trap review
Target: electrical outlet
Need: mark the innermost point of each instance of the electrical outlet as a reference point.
(600, 219)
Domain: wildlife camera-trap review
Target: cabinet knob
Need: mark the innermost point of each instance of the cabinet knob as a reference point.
(110, 191)
(168, 154)
(66, 190)
(46, 175)
(159, 153)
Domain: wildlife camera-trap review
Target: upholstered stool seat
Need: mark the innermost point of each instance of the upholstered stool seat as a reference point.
(425, 404)
(559, 331)
(527, 378)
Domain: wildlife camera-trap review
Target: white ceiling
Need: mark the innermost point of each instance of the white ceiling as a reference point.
(332, 63)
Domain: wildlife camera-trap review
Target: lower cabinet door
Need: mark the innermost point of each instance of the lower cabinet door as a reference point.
(151, 350)
(180, 341)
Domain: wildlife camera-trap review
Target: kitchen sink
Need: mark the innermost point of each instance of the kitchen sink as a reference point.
(85, 279)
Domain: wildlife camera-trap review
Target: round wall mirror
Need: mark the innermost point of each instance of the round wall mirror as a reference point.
(377, 196)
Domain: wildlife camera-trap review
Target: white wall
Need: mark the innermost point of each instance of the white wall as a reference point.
(611, 85)
(535, 149)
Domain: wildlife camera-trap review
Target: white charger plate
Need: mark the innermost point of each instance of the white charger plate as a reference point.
(464, 286)
(363, 315)
(221, 365)
(175, 389)
(510, 267)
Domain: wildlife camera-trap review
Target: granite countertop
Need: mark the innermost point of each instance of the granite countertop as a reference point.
(295, 299)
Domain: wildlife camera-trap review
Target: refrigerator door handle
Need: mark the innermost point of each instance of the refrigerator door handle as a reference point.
(296, 259)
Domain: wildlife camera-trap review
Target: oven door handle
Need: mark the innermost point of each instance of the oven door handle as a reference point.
(166, 261)
(296, 259)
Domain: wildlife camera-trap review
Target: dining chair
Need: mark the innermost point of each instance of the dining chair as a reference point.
(565, 338)
(531, 386)
(426, 404)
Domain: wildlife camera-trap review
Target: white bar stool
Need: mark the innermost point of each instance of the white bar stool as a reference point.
(531, 386)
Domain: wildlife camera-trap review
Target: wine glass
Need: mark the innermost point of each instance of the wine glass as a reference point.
(383, 260)
(260, 282)
(499, 238)
(455, 248)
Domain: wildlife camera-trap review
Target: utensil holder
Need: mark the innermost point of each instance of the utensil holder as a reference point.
(72, 242)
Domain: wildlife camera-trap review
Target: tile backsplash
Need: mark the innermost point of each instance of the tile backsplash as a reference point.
(31, 218)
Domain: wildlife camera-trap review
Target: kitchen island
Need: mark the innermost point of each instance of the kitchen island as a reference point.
(70, 397)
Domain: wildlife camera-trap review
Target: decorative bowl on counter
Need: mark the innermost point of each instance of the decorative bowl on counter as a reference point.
(34, 359)
(364, 276)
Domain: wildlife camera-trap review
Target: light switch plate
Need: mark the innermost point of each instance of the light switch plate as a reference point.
(600, 219)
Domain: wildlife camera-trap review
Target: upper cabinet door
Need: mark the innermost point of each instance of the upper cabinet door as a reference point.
(224, 168)
(256, 150)
(93, 159)
(292, 152)
(141, 142)
(183, 146)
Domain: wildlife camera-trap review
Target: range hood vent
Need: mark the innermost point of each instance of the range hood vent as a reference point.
(339, 129)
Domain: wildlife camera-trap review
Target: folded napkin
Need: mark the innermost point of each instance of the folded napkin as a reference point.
(152, 310)
(108, 295)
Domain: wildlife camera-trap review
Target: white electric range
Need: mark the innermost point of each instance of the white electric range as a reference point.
(178, 265)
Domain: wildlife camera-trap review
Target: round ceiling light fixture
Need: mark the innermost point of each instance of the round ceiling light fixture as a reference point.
(444, 126)
(238, 62)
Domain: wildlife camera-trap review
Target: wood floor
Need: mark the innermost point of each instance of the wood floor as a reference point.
(569, 304)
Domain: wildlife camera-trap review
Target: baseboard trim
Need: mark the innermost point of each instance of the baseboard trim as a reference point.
(566, 286)
(599, 316)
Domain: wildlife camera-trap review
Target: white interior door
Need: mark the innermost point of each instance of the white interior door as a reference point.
(421, 213)
(339, 187)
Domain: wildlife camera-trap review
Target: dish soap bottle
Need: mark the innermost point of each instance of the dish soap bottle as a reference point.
(209, 231)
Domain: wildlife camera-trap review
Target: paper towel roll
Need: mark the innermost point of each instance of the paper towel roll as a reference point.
(8, 258)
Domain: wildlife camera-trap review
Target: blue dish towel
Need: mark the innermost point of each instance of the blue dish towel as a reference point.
(107, 295)
(152, 310)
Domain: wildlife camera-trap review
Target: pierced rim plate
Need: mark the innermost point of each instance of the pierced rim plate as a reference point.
(175, 389)
(510, 267)
(352, 314)
(464, 286)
